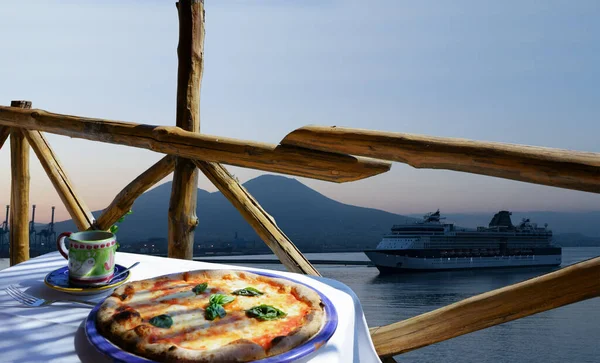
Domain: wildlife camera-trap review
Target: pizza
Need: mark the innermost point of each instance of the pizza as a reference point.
(210, 316)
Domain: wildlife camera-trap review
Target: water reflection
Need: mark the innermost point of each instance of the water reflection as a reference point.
(567, 334)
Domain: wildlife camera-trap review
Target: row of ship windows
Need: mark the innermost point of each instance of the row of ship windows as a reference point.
(469, 243)
(452, 240)
(470, 237)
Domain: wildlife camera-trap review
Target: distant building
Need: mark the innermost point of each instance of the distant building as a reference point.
(152, 246)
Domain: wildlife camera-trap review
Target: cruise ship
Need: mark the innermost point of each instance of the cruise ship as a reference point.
(430, 245)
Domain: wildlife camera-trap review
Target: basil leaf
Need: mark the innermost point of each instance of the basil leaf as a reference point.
(227, 300)
(162, 321)
(198, 289)
(213, 311)
(249, 291)
(220, 299)
(265, 312)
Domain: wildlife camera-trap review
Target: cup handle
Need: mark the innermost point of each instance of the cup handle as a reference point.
(60, 244)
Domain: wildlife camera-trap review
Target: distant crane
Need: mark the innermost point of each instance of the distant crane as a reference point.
(32, 228)
(4, 231)
(47, 236)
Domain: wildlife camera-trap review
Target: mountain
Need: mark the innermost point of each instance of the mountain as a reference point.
(310, 219)
(313, 221)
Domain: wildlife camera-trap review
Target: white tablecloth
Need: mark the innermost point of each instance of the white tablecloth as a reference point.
(56, 333)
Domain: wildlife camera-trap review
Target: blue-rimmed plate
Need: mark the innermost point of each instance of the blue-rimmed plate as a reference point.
(59, 280)
(106, 347)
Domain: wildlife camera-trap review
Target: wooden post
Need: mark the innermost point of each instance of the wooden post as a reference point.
(124, 200)
(182, 206)
(78, 210)
(259, 220)
(19, 192)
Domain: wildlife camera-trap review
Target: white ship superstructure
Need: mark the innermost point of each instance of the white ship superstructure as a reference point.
(432, 245)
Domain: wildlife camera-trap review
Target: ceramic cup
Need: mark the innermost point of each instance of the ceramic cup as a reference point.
(91, 256)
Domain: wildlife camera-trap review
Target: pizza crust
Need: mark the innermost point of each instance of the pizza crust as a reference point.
(237, 351)
(124, 326)
(282, 344)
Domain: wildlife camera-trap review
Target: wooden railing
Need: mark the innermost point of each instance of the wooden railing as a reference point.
(540, 165)
(326, 153)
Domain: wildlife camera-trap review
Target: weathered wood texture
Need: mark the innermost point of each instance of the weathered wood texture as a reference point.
(182, 205)
(555, 167)
(173, 140)
(4, 133)
(258, 218)
(19, 193)
(78, 210)
(124, 200)
(566, 286)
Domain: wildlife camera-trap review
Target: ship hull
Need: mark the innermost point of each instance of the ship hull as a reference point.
(388, 261)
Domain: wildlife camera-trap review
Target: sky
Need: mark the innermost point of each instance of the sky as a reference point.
(522, 72)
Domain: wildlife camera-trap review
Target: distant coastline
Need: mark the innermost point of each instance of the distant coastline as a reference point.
(314, 222)
(240, 247)
(351, 258)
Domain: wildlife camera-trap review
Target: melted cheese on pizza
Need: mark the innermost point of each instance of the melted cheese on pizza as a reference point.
(191, 329)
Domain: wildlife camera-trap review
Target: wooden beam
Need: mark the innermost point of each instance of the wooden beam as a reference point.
(190, 56)
(173, 140)
(124, 200)
(4, 134)
(78, 210)
(259, 220)
(19, 193)
(555, 167)
(571, 284)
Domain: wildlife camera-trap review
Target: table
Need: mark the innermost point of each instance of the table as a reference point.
(56, 333)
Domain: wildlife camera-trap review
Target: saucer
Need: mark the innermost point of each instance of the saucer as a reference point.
(59, 280)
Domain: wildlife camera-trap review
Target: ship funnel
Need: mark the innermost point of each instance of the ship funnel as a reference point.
(502, 219)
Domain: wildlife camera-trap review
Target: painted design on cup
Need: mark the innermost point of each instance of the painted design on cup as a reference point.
(110, 262)
(91, 256)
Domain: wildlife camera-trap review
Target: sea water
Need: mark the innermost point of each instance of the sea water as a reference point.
(567, 334)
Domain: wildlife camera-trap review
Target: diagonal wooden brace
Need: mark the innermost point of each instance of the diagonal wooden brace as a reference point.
(4, 133)
(78, 210)
(259, 220)
(124, 200)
